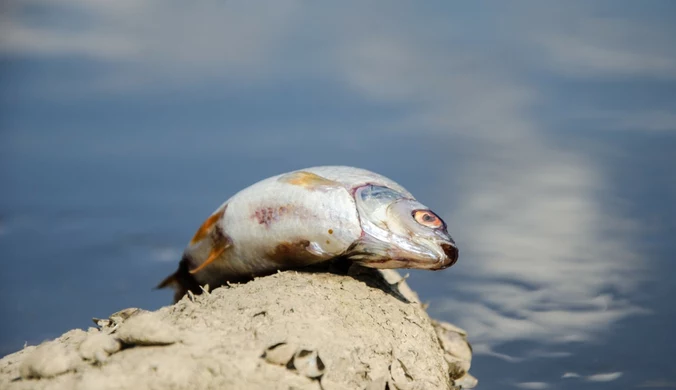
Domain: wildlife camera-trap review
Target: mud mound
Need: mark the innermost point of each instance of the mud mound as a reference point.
(288, 330)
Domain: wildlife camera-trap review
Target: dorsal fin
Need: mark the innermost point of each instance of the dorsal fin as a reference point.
(308, 180)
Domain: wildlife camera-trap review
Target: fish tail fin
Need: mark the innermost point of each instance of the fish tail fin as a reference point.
(169, 281)
(181, 281)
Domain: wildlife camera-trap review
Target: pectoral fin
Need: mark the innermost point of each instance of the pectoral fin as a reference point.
(211, 236)
(207, 227)
(215, 253)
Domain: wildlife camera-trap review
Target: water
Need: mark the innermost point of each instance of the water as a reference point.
(545, 137)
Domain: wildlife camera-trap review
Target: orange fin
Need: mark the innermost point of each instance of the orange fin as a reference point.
(211, 234)
(215, 253)
(308, 180)
(207, 226)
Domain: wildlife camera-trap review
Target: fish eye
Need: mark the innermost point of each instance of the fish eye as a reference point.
(428, 219)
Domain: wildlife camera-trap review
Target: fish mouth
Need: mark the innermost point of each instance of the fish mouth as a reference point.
(440, 261)
(431, 262)
(451, 252)
(432, 255)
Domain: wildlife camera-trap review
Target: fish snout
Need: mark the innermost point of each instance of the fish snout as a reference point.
(449, 247)
(451, 252)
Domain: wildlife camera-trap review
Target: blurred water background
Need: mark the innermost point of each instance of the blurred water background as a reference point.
(543, 132)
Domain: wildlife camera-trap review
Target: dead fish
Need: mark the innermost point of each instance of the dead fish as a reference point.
(310, 216)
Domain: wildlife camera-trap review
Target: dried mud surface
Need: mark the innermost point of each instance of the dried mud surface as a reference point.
(285, 331)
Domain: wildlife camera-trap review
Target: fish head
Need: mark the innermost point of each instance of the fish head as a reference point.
(400, 232)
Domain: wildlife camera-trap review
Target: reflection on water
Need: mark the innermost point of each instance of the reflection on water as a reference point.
(550, 263)
(543, 135)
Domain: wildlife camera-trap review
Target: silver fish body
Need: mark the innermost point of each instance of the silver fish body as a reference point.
(310, 216)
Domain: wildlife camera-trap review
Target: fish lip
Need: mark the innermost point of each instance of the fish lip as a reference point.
(436, 254)
(449, 257)
(449, 247)
(452, 254)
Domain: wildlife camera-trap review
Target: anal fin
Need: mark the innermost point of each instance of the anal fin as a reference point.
(181, 281)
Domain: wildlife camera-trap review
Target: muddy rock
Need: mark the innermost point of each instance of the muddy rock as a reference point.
(288, 330)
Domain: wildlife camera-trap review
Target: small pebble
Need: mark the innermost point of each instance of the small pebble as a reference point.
(146, 329)
(402, 379)
(48, 360)
(280, 353)
(378, 384)
(457, 368)
(453, 340)
(98, 346)
(308, 363)
(466, 382)
(124, 314)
